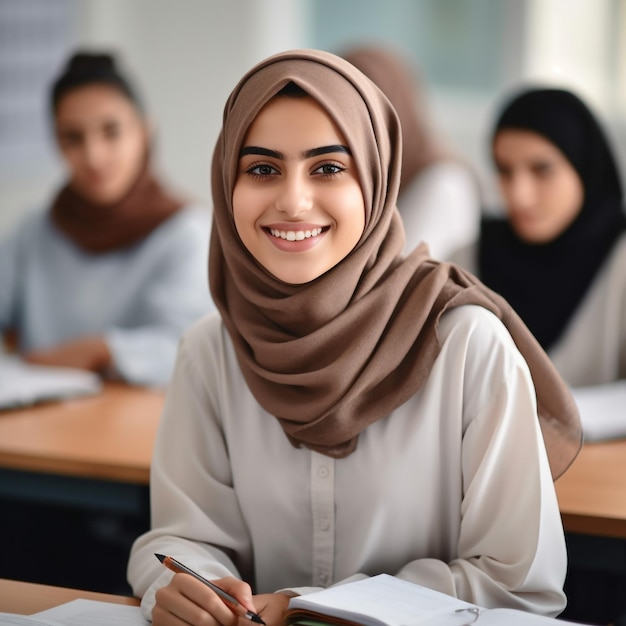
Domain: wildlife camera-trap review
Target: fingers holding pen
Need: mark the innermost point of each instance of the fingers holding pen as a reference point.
(272, 607)
(239, 589)
(187, 601)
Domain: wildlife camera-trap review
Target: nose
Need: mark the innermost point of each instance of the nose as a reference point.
(295, 195)
(519, 191)
(93, 152)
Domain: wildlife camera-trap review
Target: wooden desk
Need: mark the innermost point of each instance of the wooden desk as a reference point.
(592, 493)
(108, 436)
(28, 598)
(74, 478)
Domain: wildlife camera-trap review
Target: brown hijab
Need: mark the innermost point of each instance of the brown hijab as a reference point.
(98, 229)
(332, 356)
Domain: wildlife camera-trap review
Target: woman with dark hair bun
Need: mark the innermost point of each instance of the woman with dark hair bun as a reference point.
(87, 68)
(110, 273)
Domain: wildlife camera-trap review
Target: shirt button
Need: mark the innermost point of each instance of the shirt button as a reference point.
(323, 578)
(322, 471)
(324, 523)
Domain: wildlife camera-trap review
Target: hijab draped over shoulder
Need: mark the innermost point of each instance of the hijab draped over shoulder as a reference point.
(329, 357)
(546, 282)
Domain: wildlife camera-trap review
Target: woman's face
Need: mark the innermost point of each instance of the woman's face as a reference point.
(297, 202)
(103, 140)
(542, 191)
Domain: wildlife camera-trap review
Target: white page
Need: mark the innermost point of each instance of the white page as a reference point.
(602, 410)
(94, 613)
(385, 599)
(23, 384)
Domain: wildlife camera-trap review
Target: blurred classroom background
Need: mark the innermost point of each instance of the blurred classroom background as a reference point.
(186, 57)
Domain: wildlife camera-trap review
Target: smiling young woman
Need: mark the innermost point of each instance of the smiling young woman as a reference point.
(350, 411)
(297, 201)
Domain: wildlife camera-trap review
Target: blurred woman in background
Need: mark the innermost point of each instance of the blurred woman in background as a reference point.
(439, 196)
(110, 273)
(559, 254)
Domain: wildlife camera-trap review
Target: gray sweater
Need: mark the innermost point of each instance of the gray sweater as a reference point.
(140, 298)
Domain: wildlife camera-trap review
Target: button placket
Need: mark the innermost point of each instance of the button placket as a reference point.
(323, 510)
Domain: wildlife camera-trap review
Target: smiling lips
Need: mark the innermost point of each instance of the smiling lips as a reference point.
(295, 240)
(295, 235)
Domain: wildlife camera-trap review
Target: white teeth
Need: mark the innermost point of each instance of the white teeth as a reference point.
(295, 235)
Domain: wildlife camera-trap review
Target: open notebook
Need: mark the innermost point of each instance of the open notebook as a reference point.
(384, 600)
(22, 384)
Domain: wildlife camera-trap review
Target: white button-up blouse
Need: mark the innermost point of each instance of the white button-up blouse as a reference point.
(452, 490)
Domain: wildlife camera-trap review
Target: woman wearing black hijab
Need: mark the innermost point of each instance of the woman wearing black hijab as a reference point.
(559, 257)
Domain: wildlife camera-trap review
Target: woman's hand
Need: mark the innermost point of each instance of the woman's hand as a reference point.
(272, 608)
(188, 602)
(85, 353)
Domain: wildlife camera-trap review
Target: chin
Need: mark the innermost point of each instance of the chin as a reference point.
(103, 197)
(295, 278)
(534, 237)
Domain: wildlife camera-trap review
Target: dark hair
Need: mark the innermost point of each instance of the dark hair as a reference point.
(292, 90)
(86, 68)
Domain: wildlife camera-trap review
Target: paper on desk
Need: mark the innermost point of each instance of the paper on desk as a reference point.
(602, 410)
(13, 619)
(24, 384)
(91, 613)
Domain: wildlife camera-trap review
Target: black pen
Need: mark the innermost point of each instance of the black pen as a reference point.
(231, 601)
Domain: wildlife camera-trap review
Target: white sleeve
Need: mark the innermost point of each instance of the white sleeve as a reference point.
(507, 492)
(174, 296)
(441, 208)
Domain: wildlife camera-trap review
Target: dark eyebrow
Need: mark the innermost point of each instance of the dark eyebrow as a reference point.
(262, 152)
(325, 150)
(307, 154)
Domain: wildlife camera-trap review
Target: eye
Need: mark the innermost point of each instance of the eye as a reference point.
(261, 170)
(503, 171)
(70, 139)
(542, 169)
(111, 131)
(329, 169)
